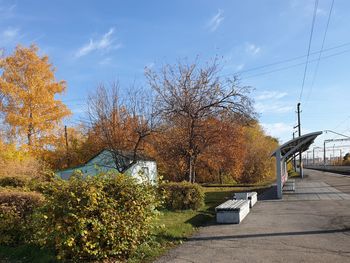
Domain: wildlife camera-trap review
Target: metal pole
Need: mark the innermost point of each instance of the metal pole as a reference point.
(299, 133)
(67, 150)
(324, 154)
(294, 157)
(279, 174)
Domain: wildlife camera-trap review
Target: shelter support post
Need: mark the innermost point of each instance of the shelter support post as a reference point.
(324, 154)
(285, 169)
(301, 170)
(279, 173)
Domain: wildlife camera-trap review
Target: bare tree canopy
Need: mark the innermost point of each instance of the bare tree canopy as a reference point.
(119, 126)
(198, 92)
(188, 95)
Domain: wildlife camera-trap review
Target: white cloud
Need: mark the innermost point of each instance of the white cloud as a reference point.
(240, 67)
(273, 107)
(105, 61)
(105, 43)
(7, 11)
(252, 49)
(9, 35)
(272, 101)
(280, 130)
(306, 8)
(265, 95)
(321, 12)
(216, 20)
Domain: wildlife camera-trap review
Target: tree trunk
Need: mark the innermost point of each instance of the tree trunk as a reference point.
(191, 150)
(194, 171)
(190, 168)
(30, 130)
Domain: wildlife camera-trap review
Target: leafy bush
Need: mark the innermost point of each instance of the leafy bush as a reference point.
(16, 209)
(27, 167)
(293, 173)
(13, 181)
(95, 218)
(19, 166)
(182, 196)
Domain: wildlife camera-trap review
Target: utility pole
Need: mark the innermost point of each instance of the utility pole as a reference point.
(294, 157)
(66, 137)
(324, 154)
(299, 133)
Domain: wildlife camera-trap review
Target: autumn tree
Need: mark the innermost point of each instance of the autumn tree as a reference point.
(119, 126)
(222, 162)
(169, 152)
(28, 88)
(74, 151)
(187, 95)
(258, 164)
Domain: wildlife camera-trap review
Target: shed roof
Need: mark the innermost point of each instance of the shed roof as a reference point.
(299, 144)
(129, 155)
(126, 154)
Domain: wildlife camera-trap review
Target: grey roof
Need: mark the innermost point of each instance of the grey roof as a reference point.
(126, 154)
(299, 144)
(128, 162)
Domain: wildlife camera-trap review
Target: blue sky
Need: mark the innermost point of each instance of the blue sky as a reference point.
(92, 42)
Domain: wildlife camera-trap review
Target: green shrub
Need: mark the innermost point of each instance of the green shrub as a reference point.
(16, 209)
(293, 173)
(182, 196)
(13, 181)
(95, 218)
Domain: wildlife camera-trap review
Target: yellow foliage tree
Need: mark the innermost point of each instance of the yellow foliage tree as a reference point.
(17, 163)
(258, 165)
(28, 88)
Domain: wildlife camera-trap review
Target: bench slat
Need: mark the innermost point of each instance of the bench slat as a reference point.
(231, 205)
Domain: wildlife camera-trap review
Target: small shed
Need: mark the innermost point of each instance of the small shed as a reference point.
(140, 167)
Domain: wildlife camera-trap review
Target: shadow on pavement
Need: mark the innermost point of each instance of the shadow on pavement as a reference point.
(269, 194)
(299, 233)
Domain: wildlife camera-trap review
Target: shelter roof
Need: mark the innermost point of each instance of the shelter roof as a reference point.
(299, 144)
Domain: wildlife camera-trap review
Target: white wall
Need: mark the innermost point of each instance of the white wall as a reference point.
(104, 162)
(138, 169)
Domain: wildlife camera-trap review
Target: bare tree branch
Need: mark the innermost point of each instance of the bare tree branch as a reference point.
(188, 95)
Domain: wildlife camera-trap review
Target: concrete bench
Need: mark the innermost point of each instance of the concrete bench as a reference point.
(289, 186)
(251, 196)
(232, 211)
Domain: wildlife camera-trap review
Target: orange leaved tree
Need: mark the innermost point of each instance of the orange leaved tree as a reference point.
(188, 96)
(28, 88)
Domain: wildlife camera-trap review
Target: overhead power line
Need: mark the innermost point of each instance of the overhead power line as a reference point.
(287, 60)
(308, 50)
(296, 65)
(320, 53)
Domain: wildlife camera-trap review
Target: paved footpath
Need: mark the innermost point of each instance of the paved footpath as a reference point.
(311, 225)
